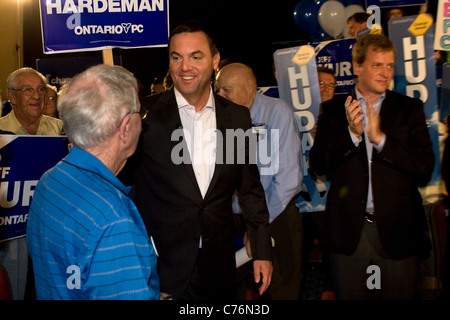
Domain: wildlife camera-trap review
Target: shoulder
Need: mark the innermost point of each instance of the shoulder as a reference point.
(54, 125)
(229, 105)
(274, 108)
(396, 96)
(335, 105)
(162, 98)
(9, 123)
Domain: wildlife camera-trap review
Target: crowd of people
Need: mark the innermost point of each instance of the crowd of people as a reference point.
(155, 190)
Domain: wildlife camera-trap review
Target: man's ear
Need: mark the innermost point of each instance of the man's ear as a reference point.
(356, 68)
(216, 60)
(124, 127)
(11, 97)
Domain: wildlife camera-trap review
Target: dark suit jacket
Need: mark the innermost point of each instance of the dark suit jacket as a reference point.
(406, 162)
(172, 207)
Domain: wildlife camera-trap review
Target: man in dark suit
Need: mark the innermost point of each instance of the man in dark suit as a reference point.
(375, 148)
(189, 166)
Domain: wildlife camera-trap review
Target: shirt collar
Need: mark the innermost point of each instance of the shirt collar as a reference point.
(182, 102)
(359, 95)
(17, 127)
(84, 160)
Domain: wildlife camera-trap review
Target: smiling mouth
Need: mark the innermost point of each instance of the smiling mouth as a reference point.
(187, 77)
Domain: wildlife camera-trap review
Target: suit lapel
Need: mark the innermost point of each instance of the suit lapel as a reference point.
(223, 122)
(172, 120)
(387, 107)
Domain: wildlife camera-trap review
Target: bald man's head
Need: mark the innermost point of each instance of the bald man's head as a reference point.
(237, 83)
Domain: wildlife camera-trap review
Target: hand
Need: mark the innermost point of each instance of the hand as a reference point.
(247, 245)
(354, 116)
(373, 125)
(262, 270)
(165, 296)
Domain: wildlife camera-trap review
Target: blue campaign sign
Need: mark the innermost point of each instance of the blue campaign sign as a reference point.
(23, 160)
(445, 91)
(394, 3)
(77, 25)
(59, 71)
(298, 85)
(415, 71)
(337, 56)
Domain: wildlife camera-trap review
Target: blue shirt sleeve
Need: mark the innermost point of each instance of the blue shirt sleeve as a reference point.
(123, 265)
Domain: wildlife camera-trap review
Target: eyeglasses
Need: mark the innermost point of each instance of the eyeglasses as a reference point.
(28, 91)
(329, 85)
(142, 113)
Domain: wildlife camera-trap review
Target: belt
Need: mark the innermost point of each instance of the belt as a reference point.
(370, 217)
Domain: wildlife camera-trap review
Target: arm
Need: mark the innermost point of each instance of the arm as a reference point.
(284, 180)
(408, 146)
(123, 265)
(256, 216)
(333, 142)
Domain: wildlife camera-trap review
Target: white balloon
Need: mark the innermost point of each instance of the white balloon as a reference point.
(349, 11)
(332, 17)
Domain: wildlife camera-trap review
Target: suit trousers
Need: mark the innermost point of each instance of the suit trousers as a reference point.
(386, 279)
(287, 232)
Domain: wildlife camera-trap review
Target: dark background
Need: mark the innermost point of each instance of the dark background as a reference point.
(247, 31)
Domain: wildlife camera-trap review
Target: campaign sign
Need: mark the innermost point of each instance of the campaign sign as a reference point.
(337, 56)
(445, 91)
(298, 85)
(59, 71)
(23, 161)
(394, 3)
(79, 25)
(415, 71)
(442, 37)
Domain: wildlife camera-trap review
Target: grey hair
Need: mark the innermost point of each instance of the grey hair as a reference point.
(93, 103)
(11, 81)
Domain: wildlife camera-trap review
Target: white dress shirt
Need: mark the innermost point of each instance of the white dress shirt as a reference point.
(199, 129)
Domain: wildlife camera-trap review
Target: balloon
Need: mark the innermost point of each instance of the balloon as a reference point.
(349, 11)
(332, 17)
(319, 36)
(305, 16)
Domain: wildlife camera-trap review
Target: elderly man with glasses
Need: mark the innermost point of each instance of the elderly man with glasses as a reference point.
(27, 92)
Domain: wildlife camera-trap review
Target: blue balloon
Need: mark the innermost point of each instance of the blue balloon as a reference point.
(320, 36)
(305, 16)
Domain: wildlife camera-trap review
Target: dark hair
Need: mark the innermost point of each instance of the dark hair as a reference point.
(359, 17)
(376, 41)
(326, 70)
(191, 26)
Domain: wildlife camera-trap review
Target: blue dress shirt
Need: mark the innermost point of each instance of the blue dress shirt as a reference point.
(279, 152)
(369, 145)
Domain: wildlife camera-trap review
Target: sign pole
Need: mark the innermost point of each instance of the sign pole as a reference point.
(108, 56)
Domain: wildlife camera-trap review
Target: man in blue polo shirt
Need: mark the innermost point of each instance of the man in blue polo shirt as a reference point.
(85, 236)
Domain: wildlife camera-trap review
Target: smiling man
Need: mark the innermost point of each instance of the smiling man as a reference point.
(187, 206)
(375, 148)
(27, 92)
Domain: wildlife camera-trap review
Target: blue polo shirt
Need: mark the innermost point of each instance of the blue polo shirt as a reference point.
(86, 237)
